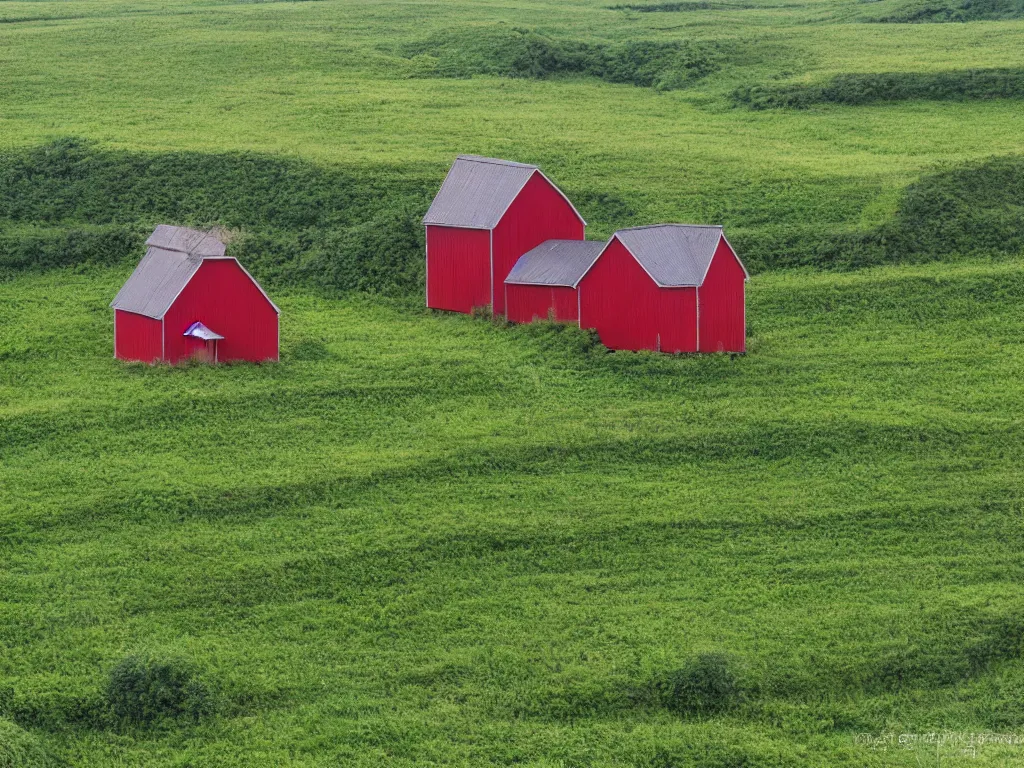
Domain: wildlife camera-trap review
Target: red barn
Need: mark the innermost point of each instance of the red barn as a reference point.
(669, 287)
(487, 214)
(187, 299)
(542, 284)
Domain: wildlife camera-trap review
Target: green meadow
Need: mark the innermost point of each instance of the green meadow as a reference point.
(426, 539)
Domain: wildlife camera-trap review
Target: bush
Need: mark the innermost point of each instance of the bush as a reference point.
(19, 749)
(854, 89)
(142, 690)
(705, 686)
(516, 52)
(939, 11)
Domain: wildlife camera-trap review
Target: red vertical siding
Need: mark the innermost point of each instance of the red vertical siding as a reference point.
(222, 297)
(721, 300)
(458, 268)
(627, 309)
(526, 303)
(537, 214)
(136, 337)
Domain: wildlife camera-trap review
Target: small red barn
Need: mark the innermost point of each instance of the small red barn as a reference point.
(542, 284)
(669, 287)
(187, 299)
(487, 214)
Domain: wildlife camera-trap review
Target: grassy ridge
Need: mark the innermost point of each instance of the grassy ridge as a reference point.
(517, 52)
(345, 229)
(890, 86)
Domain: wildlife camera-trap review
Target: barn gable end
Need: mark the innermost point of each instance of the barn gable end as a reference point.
(629, 311)
(224, 298)
(691, 296)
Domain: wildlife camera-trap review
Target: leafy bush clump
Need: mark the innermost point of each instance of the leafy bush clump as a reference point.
(142, 690)
(515, 52)
(705, 686)
(19, 749)
(854, 89)
(940, 11)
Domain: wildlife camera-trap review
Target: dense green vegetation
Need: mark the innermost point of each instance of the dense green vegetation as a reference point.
(515, 52)
(694, 5)
(890, 86)
(19, 749)
(342, 229)
(920, 11)
(425, 539)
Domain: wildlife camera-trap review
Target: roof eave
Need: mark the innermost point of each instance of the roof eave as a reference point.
(539, 285)
(455, 226)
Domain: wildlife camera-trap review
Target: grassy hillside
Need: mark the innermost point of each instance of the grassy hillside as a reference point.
(425, 539)
(429, 539)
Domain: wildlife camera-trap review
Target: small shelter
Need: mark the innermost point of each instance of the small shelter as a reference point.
(668, 287)
(542, 284)
(187, 298)
(486, 215)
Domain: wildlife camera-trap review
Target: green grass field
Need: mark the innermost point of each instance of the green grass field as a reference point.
(425, 539)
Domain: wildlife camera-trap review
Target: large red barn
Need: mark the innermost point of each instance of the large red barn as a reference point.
(487, 214)
(187, 299)
(669, 287)
(542, 284)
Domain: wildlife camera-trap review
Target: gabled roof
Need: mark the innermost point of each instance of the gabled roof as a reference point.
(174, 255)
(674, 255)
(555, 262)
(478, 190)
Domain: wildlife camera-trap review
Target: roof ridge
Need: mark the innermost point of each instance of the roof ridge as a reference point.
(663, 226)
(495, 161)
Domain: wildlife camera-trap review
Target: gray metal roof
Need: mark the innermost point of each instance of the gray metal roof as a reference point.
(173, 256)
(674, 255)
(555, 262)
(185, 240)
(478, 190)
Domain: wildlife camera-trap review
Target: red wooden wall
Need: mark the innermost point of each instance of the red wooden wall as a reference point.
(136, 337)
(526, 303)
(458, 268)
(222, 297)
(629, 311)
(537, 214)
(722, 314)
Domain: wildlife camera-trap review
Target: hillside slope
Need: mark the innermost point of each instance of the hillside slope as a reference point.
(425, 538)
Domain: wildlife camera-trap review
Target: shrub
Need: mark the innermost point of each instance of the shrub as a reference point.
(525, 53)
(939, 11)
(706, 685)
(854, 89)
(144, 689)
(19, 749)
